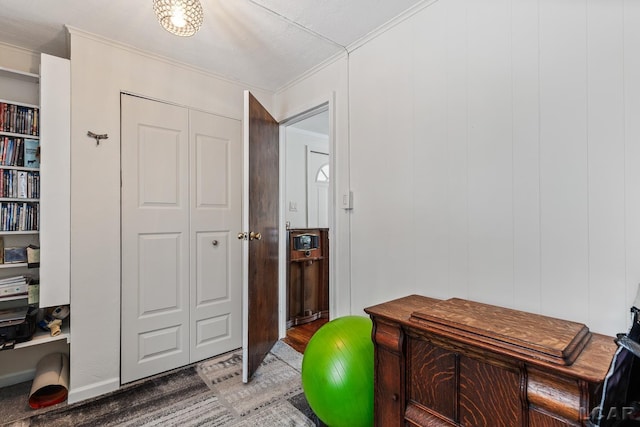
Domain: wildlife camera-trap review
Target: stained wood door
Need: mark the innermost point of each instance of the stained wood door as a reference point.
(155, 238)
(260, 296)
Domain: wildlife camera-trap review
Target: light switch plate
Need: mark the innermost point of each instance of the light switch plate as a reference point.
(347, 200)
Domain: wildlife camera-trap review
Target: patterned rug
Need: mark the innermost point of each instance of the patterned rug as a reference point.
(210, 393)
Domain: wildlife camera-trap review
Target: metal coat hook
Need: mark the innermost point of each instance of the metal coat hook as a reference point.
(97, 137)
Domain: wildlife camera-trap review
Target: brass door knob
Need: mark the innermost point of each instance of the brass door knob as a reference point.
(242, 236)
(255, 236)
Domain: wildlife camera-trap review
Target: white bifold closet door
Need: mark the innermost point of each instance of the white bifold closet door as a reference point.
(181, 268)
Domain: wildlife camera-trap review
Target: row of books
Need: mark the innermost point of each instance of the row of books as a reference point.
(19, 184)
(16, 216)
(19, 152)
(19, 119)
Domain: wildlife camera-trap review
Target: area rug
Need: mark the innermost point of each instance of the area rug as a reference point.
(210, 393)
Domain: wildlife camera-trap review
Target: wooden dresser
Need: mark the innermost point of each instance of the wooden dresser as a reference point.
(461, 363)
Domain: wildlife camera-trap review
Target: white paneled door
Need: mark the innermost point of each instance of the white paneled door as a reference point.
(181, 294)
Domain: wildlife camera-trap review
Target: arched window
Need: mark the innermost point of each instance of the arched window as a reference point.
(323, 174)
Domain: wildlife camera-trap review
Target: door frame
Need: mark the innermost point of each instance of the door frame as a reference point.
(311, 109)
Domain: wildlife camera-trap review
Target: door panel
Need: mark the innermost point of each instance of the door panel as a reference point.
(216, 213)
(212, 171)
(261, 284)
(155, 238)
(154, 275)
(212, 268)
(158, 168)
(160, 343)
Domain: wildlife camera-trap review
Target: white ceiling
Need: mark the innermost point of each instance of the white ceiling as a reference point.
(263, 43)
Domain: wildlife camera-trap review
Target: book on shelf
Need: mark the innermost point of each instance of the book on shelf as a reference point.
(33, 256)
(15, 255)
(12, 280)
(34, 292)
(18, 289)
(14, 286)
(23, 187)
(31, 153)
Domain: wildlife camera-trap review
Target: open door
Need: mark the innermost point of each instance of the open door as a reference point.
(260, 246)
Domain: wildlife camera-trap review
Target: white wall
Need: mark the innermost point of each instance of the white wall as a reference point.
(297, 141)
(100, 70)
(494, 156)
(17, 58)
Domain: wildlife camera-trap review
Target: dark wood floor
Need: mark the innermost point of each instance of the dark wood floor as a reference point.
(298, 336)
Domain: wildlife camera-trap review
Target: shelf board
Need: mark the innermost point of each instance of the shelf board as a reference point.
(43, 337)
(13, 265)
(19, 168)
(18, 233)
(19, 135)
(19, 104)
(19, 75)
(14, 298)
(17, 199)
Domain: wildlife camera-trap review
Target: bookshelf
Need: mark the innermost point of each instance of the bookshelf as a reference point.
(35, 148)
(19, 188)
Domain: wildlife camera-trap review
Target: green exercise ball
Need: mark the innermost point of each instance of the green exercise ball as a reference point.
(337, 372)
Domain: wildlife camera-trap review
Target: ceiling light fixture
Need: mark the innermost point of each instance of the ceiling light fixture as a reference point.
(180, 17)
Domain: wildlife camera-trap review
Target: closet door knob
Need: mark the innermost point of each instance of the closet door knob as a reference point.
(214, 243)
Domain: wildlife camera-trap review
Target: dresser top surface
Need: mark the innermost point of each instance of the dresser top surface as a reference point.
(544, 341)
(555, 340)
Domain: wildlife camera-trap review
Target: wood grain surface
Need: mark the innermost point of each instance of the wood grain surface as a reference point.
(480, 366)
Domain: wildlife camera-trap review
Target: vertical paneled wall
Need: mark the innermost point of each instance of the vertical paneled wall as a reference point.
(495, 157)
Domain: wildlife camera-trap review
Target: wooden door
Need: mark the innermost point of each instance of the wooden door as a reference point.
(155, 237)
(260, 314)
(216, 216)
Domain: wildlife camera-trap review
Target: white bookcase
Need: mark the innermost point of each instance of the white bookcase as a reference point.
(49, 93)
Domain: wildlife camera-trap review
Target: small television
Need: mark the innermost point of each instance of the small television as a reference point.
(305, 242)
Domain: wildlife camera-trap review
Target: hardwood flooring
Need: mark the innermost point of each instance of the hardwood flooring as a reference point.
(298, 336)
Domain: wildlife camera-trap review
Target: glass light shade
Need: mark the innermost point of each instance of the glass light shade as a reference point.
(180, 17)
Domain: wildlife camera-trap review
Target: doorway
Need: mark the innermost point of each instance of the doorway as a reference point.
(306, 207)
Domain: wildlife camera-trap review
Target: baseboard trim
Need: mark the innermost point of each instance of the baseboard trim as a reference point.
(93, 390)
(17, 377)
